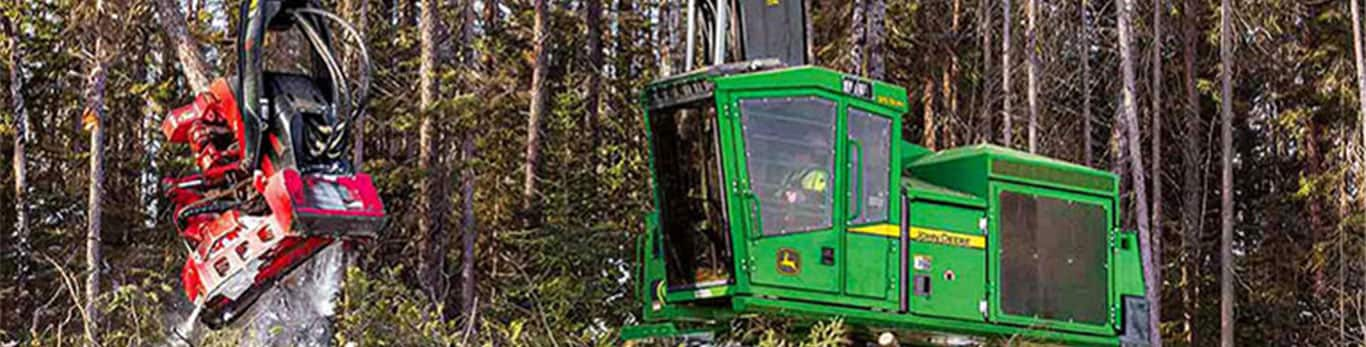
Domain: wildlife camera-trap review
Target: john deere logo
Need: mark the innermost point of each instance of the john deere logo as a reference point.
(789, 262)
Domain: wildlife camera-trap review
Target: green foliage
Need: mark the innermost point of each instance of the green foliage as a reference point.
(823, 334)
(381, 311)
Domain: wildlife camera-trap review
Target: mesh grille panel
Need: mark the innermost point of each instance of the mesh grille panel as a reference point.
(1053, 258)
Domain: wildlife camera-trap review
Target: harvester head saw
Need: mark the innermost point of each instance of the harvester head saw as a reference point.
(273, 149)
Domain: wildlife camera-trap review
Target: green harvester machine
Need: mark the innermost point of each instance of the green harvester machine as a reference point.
(789, 191)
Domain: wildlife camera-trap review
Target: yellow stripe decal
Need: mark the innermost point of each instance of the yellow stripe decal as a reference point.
(948, 238)
(884, 229)
(925, 235)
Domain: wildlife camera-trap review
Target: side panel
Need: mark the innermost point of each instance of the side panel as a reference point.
(948, 261)
(868, 266)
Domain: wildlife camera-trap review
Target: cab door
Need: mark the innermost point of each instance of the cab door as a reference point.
(872, 234)
(788, 149)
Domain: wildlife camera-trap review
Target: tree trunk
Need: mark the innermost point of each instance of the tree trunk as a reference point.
(593, 99)
(361, 18)
(1087, 154)
(540, 67)
(1006, 131)
(21, 127)
(1156, 224)
(1361, 96)
(1032, 73)
(95, 118)
(985, 30)
(1131, 138)
(469, 276)
(467, 34)
(186, 46)
(1192, 189)
(1226, 176)
(431, 225)
(469, 280)
(857, 34)
(949, 93)
(876, 12)
(930, 138)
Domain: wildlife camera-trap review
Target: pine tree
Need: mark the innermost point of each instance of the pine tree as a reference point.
(1226, 318)
(1130, 137)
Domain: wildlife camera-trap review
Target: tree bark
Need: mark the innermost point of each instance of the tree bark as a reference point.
(95, 83)
(467, 34)
(186, 46)
(469, 276)
(949, 93)
(491, 30)
(985, 30)
(361, 17)
(1361, 97)
(1226, 323)
(1006, 128)
(431, 225)
(21, 127)
(593, 99)
(876, 12)
(1131, 139)
(1087, 153)
(931, 128)
(1032, 72)
(1192, 176)
(1156, 224)
(857, 34)
(540, 67)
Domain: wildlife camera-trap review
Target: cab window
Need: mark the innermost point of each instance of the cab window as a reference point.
(790, 157)
(870, 139)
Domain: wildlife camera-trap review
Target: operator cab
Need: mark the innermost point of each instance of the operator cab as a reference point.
(779, 160)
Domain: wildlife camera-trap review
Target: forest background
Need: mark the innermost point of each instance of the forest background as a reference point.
(506, 140)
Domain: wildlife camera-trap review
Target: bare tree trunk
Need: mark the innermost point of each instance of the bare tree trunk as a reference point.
(1087, 154)
(95, 118)
(1032, 73)
(857, 35)
(1226, 177)
(1361, 94)
(668, 36)
(469, 260)
(949, 93)
(186, 46)
(431, 223)
(985, 30)
(1006, 23)
(1131, 140)
(469, 276)
(1193, 160)
(876, 13)
(538, 103)
(467, 34)
(21, 233)
(1156, 241)
(361, 18)
(930, 138)
(593, 99)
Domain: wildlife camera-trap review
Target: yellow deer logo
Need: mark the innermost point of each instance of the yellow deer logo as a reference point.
(789, 262)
